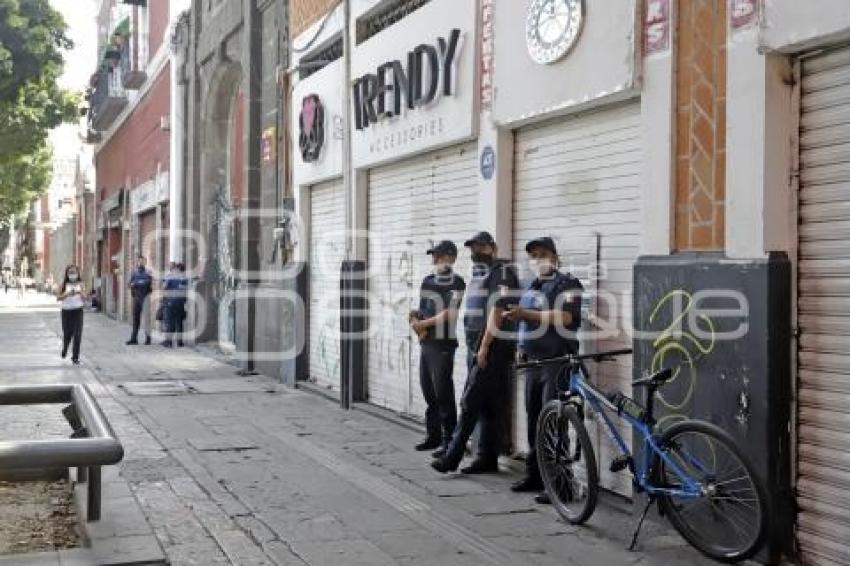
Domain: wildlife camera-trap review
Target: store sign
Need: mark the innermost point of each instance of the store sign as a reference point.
(416, 89)
(488, 163)
(487, 45)
(657, 26)
(428, 72)
(149, 194)
(743, 13)
(268, 147)
(311, 122)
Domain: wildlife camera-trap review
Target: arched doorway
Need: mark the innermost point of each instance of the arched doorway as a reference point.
(222, 195)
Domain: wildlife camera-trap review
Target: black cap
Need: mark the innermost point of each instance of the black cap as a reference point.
(544, 242)
(483, 238)
(445, 247)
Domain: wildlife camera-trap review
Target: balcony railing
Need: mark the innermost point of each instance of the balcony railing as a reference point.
(133, 56)
(108, 97)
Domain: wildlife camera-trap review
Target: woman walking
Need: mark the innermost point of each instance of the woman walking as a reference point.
(72, 298)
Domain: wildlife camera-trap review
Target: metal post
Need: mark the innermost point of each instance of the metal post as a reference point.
(93, 506)
(82, 474)
(346, 397)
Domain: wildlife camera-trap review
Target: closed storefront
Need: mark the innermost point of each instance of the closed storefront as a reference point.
(327, 250)
(413, 204)
(577, 179)
(823, 418)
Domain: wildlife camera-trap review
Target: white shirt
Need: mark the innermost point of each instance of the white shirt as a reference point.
(74, 301)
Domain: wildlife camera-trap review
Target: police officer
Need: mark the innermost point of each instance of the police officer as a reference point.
(549, 314)
(175, 286)
(490, 354)
(141, 285)
(434, 323)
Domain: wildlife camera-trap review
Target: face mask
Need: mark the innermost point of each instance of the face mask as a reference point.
(482, 258)
(442, 268)
(73, 277)
(541, 267)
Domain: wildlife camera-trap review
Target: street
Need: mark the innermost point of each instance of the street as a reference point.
(241, 470)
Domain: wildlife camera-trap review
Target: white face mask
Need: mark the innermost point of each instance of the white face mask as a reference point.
(541, 267)
(73, 277)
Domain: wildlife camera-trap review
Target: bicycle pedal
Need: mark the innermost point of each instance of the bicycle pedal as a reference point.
(620, 463)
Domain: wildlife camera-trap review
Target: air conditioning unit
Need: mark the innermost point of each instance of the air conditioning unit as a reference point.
(165, 123)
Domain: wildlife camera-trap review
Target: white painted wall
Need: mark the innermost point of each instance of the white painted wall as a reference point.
(601, 65)
(657, 129)
(759, 118)
(794, 25)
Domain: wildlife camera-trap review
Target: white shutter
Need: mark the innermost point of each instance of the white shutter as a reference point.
(574, 178)
(823, 451)
(413, 204)
(327, 250)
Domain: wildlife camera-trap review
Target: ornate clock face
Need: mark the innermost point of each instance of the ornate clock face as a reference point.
(552, 28)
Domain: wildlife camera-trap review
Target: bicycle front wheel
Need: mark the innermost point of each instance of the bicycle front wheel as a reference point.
(729, 522)
(567, 463)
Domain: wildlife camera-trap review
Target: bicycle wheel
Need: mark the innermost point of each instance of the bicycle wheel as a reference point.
(567, 463)
(729, 522)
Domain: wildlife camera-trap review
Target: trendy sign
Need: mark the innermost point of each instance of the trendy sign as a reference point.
(429, 71)
(415, 89)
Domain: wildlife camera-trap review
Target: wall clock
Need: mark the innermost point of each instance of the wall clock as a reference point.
(552, 28)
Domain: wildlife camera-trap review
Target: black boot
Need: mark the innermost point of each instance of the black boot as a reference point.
(527, 484)
(428, 444)
(482, 466)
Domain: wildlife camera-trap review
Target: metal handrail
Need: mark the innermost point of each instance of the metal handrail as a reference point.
(92, 445)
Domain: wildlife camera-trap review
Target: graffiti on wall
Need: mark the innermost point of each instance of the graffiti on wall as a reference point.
(678, 347)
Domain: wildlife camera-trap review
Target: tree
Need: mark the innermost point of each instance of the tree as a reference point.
(32, 38)
(23, 179)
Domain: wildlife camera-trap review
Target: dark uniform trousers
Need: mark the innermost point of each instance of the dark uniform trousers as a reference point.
(540, 388)
(484, 402)
(138, 307)
(436, 366)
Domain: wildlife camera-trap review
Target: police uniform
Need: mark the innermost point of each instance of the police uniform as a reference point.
(557, 290)
(141, 284)
(485, 394)
(175, 285)
(437, 352)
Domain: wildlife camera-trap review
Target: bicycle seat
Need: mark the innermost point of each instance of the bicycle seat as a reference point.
(656, 380)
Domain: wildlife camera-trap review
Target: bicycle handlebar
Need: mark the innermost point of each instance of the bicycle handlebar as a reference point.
(572, 358)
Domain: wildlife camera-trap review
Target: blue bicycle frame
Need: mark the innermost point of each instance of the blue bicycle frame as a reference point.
(690, 488)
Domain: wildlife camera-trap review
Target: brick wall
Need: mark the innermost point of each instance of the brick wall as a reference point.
(140, 144)
(158, 24)
(700, 125)
(302, 13)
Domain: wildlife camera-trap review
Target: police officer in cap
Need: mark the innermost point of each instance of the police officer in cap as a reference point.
(434, 323)
(490, 354)
(549, 314)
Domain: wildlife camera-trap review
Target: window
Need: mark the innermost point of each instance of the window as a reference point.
(384, 16)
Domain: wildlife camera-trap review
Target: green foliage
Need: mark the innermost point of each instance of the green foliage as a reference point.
(23, 179)
(32, 39)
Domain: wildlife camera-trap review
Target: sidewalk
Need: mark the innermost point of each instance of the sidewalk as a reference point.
(236, 470)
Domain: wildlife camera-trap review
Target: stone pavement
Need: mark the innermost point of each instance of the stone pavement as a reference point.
(236, 470)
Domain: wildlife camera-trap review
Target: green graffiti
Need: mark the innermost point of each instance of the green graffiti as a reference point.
(673, 340)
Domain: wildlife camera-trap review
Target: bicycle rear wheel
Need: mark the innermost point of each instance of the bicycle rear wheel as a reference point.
(567, 463)
(729, 522)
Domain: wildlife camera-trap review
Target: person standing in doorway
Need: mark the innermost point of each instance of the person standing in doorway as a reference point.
(72, 298)
(435, 324)
(141, 284)
(549, 315)
(490, 353)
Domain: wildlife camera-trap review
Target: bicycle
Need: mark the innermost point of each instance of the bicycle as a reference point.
(719, 506)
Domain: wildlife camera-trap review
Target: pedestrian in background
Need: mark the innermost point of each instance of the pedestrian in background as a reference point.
(490, 354)
(72, 298)
(435, 324)
(141, 285)
(549, 314)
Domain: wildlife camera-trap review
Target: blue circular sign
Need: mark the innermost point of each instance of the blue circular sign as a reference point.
(488, 162)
